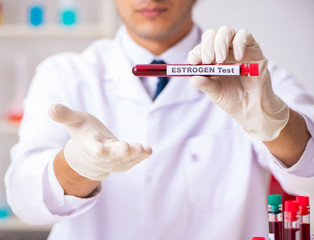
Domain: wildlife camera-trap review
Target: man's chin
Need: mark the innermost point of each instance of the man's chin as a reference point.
(153, 33)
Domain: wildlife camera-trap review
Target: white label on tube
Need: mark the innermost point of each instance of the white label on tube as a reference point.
(271, 236)
(223, 70)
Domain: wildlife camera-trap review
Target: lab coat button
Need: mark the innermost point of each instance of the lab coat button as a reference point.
(148, 179)
(194, 157)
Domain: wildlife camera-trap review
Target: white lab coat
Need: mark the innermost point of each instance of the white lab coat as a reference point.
(206, 179)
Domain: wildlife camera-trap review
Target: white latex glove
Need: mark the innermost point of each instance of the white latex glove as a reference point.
(93, 151)
(249, 100)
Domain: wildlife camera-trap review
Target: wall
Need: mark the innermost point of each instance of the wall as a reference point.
(284, 29)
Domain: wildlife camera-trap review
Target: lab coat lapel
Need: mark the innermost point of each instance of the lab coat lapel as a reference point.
(125, 84)
(178, 90)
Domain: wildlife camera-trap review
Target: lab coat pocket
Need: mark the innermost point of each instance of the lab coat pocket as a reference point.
(216, 170)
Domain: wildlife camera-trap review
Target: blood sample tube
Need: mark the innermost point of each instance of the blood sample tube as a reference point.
(304, 208)
(292, 221)
(188, 70)
(275, 224)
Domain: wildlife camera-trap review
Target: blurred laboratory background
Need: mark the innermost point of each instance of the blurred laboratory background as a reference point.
(31, 30)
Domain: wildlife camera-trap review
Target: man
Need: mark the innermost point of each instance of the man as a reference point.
(203, 161)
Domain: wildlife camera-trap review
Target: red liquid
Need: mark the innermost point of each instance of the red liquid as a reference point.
(150, 70)
(305, 231)
(276, 229)
(291, 233)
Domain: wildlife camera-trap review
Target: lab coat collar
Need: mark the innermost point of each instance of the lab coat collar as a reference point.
(177, 54)
(126, 85)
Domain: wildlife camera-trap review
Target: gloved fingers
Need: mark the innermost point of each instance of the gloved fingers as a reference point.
(123, 150)
(194, 56)
(223, 42)
(100, 160)
(122, 155)
(138, 148)
(62, 114)
(209, 85)
(138, 151)
(117, 149)
(241, 42)
(93, 145)
(147, 149)
(207, 47)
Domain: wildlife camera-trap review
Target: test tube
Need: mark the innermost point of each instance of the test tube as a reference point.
(292, 221)
(304, 208)
(188, 70)
(275, 224)
(15, 108)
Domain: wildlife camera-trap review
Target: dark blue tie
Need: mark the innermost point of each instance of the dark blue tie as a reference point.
(162, 81)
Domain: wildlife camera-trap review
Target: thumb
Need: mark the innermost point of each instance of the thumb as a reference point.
(210, 85)
(62, 114)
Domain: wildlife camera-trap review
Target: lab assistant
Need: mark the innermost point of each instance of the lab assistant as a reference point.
(205, 174)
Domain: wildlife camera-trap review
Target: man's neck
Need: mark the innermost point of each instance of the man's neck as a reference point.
(159, 46)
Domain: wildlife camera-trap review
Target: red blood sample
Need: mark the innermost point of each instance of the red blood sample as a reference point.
(276, 229)
(305, 231)
(291, 233)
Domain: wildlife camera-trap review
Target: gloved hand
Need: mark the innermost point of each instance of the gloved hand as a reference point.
(249, 100)
(93, 151)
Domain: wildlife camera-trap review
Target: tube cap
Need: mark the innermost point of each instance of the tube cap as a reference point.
(291, 210)
(274, 203)
(258, 238)
(304, 205)
(249, 69)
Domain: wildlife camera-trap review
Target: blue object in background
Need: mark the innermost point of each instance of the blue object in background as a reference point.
(5, 212)
(36, 14)
(68, 16)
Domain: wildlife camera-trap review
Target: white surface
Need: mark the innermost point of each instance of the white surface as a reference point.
(284, 29)
(13, 223)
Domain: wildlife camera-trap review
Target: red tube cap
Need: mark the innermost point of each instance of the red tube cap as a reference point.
(304, 205)
(258, 238)
(254, 69)
(249, 69)
(291, 210)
